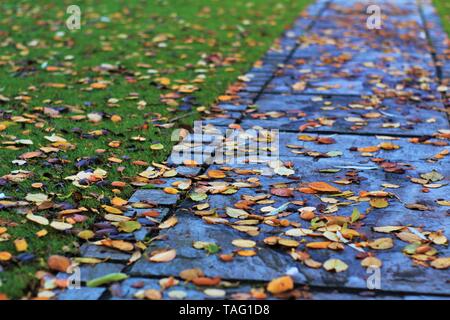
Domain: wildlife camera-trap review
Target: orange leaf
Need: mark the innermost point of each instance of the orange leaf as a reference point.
(322, 187)
(318, 245)
(170, 190)
(5, 256)
(204, 281)
(58, 263)
(246, 253)
(307, 190)
(216, 174)
(280, 285)
(98, 85)
(369, 149)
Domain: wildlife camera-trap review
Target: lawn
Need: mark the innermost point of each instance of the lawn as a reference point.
(104, 97)
(443, 7)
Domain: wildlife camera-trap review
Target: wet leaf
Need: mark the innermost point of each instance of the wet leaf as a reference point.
(112, 277)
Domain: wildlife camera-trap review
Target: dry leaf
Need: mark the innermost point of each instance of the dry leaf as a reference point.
(164, 256)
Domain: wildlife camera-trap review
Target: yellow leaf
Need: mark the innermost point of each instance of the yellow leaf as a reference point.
(335, 265)
(169, 223)
(381, 243)
(41, 233)
(21, 245)
(441, 263)
(86, 234)
(118, 244)
(119, 202)
(288, 242)
(112, 210)
(379, 203)
(371, 262)
(242, 243)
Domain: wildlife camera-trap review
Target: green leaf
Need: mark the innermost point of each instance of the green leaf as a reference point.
(329, 170)
(112, 277)
(129, 226)
(212, 248)
(149, 186)
(355, 215)
(195, 196)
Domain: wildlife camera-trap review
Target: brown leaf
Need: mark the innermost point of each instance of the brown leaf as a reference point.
(58, 263)
(282, 192)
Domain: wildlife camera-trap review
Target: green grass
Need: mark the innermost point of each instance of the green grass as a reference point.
(33, 36)
(443, 8)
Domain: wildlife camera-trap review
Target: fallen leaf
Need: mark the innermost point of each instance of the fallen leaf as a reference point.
(381, 243)
(371, 262)
(322, 187)
(242, 243)
(335, 265)
(5, 256)
(21, 245)
(164, 256)
(379, 203)
(112, 277)
(280, 285)
(58, 263)
(441, 263)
